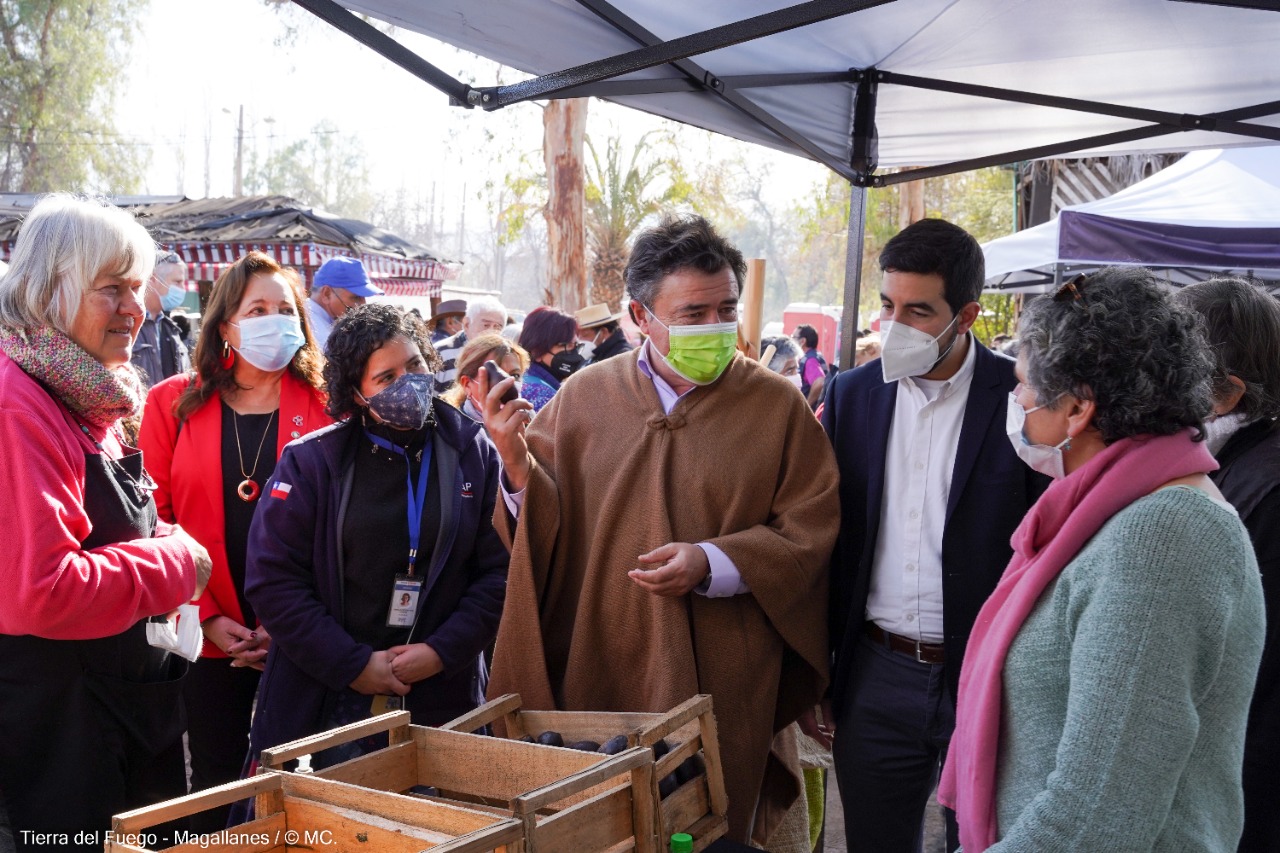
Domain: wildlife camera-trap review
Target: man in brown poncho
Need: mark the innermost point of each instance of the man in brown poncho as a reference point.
(677, 509)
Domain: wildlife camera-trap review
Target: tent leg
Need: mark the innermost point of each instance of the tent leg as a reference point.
(853, 273)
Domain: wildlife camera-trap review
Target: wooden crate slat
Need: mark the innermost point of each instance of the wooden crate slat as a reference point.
(435, 817)
(275, 757)
(707, 830)
(685, 806)
(493, 767)
(595, 824)
(355, 832)
(392, 769)
(590, 777)
(130, 822)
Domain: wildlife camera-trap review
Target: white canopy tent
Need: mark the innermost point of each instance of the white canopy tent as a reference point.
(1211, 212)
(942, 85)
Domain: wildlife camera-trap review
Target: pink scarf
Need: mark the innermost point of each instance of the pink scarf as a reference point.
(1065, 518)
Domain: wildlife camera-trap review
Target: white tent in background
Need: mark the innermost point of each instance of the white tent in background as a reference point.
(1212, 212)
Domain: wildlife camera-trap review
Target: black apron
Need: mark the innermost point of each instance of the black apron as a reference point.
(91, 728)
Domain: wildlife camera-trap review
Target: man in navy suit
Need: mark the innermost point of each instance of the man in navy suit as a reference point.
(930, 492)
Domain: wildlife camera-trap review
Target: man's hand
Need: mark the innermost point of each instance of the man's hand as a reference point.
(674, 569)
(506, 423)
(822, 730)
(414, 662)
(377, 679)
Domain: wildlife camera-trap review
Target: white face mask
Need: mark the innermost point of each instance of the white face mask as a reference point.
(907, 351)
(1039, 457)
(795, 379)
(182, 637)
(1219, 429)
(270, 341)
(586, 350)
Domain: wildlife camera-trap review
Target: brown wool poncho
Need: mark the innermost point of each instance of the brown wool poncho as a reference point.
(742, 464)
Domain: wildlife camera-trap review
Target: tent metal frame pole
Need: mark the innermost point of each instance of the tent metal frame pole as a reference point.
(662, 52)
(685, 85)
(1177, 121)
(849, 320)
(695, 72)
(387, 47)
(1043, 151)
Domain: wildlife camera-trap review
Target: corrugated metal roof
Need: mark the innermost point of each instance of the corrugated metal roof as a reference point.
(243, 219)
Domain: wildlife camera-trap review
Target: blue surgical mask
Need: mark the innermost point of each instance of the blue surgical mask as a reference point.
(172, 298)
(270, 342)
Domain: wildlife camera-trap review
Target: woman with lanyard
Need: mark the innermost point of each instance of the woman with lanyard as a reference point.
(211, 440)
(90, 707)
(373, 559)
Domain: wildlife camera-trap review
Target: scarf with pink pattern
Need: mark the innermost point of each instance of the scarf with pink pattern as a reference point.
(93, 392)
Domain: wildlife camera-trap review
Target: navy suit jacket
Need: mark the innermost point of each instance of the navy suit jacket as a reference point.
(991, 490)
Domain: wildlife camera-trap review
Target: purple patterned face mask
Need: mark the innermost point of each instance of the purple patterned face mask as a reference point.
(405, 403)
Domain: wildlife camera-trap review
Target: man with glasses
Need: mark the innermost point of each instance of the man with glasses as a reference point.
(340, 285)
(159, 352)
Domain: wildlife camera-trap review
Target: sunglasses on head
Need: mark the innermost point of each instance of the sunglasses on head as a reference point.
(1072, 290)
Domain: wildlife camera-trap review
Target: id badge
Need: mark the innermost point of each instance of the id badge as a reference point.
(385, 704)
(404, 601)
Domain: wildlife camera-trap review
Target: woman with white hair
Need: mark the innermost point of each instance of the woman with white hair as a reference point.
(89, 707)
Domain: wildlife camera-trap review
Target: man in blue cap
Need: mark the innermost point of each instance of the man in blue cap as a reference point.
(340, 285)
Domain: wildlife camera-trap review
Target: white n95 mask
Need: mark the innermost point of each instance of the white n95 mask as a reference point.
(907, 351)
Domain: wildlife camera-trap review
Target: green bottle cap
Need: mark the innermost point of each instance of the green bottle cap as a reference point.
(682, 842)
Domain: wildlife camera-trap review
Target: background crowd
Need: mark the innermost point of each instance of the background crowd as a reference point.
(1031, 575)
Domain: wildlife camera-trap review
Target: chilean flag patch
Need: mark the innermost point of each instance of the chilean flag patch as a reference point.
(280, 490)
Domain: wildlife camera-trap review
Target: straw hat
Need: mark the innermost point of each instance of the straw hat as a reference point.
(595, 315)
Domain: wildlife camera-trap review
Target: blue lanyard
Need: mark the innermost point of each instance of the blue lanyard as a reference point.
(417, 500)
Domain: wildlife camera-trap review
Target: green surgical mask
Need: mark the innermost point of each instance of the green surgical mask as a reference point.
(699, 354)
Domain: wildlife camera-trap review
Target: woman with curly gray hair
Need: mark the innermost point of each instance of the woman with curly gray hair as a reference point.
(1105, 687)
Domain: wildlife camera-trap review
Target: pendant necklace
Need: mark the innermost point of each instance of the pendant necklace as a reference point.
(248, 490)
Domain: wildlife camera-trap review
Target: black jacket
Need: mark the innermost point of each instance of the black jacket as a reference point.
(1249, 478)
(615, 344)
(991, 490)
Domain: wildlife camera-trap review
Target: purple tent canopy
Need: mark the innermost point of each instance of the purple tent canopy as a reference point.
(1212, 212)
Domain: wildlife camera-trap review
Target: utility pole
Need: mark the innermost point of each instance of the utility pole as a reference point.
(239, 182)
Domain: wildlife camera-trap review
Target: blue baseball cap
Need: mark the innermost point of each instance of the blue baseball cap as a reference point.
(348, 274)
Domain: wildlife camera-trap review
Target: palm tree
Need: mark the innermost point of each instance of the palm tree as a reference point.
(618, 199)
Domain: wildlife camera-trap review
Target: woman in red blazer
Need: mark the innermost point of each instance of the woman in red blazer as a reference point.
(211, 440)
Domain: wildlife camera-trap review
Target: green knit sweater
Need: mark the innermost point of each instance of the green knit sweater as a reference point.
(1126, 691)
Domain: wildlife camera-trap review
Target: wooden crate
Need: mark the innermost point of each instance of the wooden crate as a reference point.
(697, 807)
(300, 812)
(564, 799)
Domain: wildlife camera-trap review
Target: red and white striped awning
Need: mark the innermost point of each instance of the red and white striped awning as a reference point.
(206, 261)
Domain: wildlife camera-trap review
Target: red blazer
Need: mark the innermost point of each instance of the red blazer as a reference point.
(187, 467)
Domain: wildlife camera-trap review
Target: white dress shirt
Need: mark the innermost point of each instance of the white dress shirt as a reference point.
(906, 571)
(724, 579)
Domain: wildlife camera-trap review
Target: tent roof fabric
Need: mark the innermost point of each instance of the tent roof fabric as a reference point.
(1174, 57)
(1215, 211)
